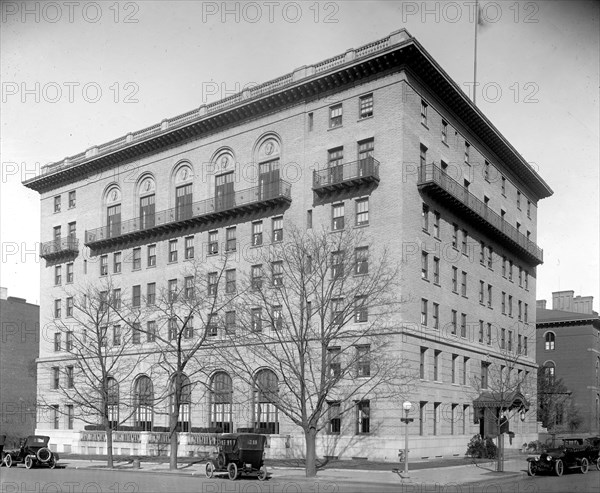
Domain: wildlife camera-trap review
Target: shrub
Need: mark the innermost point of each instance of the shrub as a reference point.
(482, 448)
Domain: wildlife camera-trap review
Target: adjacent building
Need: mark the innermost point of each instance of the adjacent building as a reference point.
(568, 348)
(19, 348)
(379, 138)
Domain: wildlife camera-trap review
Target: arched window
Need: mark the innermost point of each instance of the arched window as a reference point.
(266, 388)
(143, 401)
(185, 402)
(184, 197)
(549, 341)
(113, 402)
(550, 372)
(221, 402)
(146, 192)
(112, 201)
(268, 156)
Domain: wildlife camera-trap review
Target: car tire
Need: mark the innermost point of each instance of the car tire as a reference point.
(598, 463)
(531, 468)
(232, 471)
(221, 461)
(262, 473)
(559, 467)
(8, 462)
(28, 462)
(210, 469)
(585, 466)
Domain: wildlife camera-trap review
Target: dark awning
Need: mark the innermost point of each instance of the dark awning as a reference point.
(504, 400)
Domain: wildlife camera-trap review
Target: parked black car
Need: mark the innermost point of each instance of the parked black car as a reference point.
(573, 453)
(33, 451)
(593, 444)
(239, 453)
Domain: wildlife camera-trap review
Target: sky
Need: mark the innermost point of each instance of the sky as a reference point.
(78, 74)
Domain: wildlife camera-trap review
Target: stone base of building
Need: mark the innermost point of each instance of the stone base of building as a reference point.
(278, 446)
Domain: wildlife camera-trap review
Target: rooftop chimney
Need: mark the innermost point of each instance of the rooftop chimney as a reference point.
(583, 304)
(540, 304)
(563, 300)
(3, 293)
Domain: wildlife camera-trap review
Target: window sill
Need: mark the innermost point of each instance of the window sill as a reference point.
(152, 266)
(213, 254)
(437, 284)
(358, 226)
(464, 296)
(446, 144)
(425, 231)
(334, 128)
(425, 279)
(362, 119)
(424, 125)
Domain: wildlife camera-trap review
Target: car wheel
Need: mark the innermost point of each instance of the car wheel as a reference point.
(262, 473)
(210, 469)
(232, 470)
(598, 463)
(585, 465)
(28, 462)
(559, 467)
(221, 461)
(51, 463)
(8, 460)
(531, 468)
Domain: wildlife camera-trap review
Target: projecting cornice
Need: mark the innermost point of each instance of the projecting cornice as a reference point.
(397, 51)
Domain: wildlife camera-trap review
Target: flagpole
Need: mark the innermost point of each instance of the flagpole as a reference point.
(475, 54)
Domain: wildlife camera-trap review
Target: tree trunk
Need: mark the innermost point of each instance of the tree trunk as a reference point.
(173, 454)
(500, 465)
(310, 437)
(109, 443)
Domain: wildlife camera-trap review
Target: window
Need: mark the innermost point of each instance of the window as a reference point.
(489, 290)
(57, 234)
(424, 265)
(486, 171)
(436, 270)
(151, 293)
(436, 365)
(481, 331)
(266, 389)
(361, 259)
(333, 361)
(424, 106)
(362, 212)
(70, 416)
(335, 418)
(481, 252)
(57, 275)
(213, 242)
(454, 360)
(549, 372)
(55, 417)
(256, 319)
(526, 282)
(136, 296)
(173, 330)
(337, 311)
(436, 417)
(151, 331)
(103, 300)
(454, 280)
(436, 316)
(277, 273)
(490, 262)
(230, 239)
(57, 308)
(425, 218)
(525, 314)
(113, 219)
(510, 340)
(230, 281)
(467, 152)
(183, 201)
(188, 287)
(465, 370)
(57, 341)
(436, 224)
(525, 346)
(502, 338)
(337, 217)
(69, 273)
(465, 239)
(310, 122)
(335, 116)
(549, 341)
(70, 307)
(489, 334)
(135, 333)
(422, 362)
(277, 317)
(463, 284)
(172, 290)
(484, 374)
(143, 401)
(117, 263)
(455, 236)
(104, 265)
(147, 211)
(365, 106)
(257, 233)
(444, 132)
(230, 322)
(309, 216)
(481, 291)
(337, 264)
(189, 248)
(57, 200)
(277, 229)
(528, 208)
(363, 417)
(137, 258)
(151, 255)
(519, 344)
(518, 200)
(72, 199)
(116, 335)
(221, 402)
(510, 305)
(69, 341)
(256, 274)
(172, 250)
(423, 311)
(453, 317)
(55, 377)
(503, 186)
(519, 310)
(463, 325)
(422, 155)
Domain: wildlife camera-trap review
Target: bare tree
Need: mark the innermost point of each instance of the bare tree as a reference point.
(97, 333)
(556, 408)
(504, 386)
(319, 309)
(183, 319)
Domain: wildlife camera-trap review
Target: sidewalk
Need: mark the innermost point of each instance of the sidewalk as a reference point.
(420, 473)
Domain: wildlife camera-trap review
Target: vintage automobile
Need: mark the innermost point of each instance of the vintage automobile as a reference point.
(573, 453)
(593, 446)
(238, 454)
(33, 451)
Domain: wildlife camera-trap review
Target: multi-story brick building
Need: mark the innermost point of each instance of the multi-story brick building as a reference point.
(568, 347)
(415, 162)
(19, 348)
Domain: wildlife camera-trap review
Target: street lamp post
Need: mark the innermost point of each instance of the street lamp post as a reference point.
(407, 406)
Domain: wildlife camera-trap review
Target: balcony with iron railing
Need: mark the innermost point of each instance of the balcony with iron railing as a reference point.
(266, 195)
(437, 183)
(348, 175)
(59, 247)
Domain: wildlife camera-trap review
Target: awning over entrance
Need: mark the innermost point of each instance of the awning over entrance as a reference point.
(504, 400)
